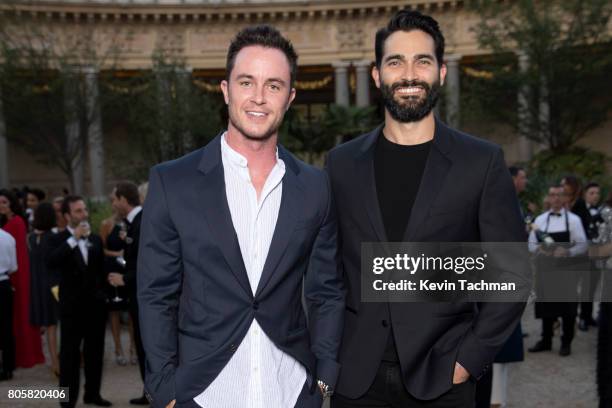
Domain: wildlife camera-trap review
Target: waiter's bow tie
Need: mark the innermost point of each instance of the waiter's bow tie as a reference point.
(555, 214)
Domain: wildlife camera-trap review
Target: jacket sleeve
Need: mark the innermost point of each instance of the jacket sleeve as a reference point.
(499, 221)
(159, 279)
(324, 293)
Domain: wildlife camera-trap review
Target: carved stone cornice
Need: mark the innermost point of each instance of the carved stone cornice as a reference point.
(218, 12)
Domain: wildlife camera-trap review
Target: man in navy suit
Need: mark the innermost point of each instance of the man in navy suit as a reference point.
(232, 235)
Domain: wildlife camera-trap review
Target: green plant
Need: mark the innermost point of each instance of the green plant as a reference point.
(548, 167)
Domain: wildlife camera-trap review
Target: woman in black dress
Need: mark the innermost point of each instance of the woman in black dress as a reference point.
(110, 231)
(44, 307)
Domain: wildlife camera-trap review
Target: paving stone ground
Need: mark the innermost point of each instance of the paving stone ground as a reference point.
(542, 380)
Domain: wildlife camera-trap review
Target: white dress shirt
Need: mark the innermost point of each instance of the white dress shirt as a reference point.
(133, 213)
(8, 255)
(82, 244)
(557, 224)
(259, 374)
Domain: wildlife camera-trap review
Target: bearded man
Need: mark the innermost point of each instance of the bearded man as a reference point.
(414, 179)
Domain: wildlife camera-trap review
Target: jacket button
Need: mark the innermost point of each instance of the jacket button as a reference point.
(255, 305)
(233, 348)
(385, 323)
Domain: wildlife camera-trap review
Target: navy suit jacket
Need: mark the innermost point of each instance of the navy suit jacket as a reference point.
(195, 300)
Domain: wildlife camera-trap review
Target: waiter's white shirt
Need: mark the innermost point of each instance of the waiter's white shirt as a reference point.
(557, 224)
(259, 374)
(8, 255)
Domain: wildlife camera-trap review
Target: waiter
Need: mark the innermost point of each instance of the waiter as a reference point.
(558, 225)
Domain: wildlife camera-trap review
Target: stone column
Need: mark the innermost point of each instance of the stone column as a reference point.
(95, 137)
(363, 83)
(74, 145)
(525, 146)
(342, 83)
(453, 90)
(4, 167)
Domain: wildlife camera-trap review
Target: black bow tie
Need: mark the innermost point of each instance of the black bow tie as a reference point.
(552, 214)
(127, 223)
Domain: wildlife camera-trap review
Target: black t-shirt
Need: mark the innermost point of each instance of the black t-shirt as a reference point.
(398, 170)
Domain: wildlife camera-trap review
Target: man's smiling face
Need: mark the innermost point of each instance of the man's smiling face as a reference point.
(258, 92)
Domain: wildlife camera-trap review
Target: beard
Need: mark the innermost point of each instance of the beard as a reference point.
(410, 108)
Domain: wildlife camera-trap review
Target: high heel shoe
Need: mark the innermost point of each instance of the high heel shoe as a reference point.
(120, 359)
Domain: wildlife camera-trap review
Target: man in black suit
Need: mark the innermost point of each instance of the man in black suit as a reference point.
(232, 235)
(79, 257)
(126, 201)
(414, 179)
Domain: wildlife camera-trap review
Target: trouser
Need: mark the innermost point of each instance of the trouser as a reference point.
(499, 389)
(567, 335)
(88, 327)
(388, 391)
(589, 285)
(138, 340)
(7, 338)
(306, 399)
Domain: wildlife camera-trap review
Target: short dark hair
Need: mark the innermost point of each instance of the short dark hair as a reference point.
(68, 200)
(44, 217)
(591, 185)
(38, 193)
(264, 36)
(128, 190)
(514, 170)
(409, 20)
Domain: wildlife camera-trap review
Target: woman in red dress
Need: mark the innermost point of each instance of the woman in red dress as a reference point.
(28, 344)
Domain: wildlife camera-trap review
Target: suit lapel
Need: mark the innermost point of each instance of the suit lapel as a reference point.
(367, 184)
(436, 169)
(287, 219)
(211, 185)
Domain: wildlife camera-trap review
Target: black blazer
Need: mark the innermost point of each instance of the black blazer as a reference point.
(130, 255)
(80, 283)
(194, 297)
(466, 195)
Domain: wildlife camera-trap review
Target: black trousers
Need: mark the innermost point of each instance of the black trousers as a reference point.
(87, 327)
(388, 391)
(569, 321)
(7, 339)
(138, 340)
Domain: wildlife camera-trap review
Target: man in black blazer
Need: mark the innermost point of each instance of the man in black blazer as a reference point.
(78, 255)
(126, 201)
(414, 179)
(232, 235)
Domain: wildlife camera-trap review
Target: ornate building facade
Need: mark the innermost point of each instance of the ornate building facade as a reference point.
(334, 39)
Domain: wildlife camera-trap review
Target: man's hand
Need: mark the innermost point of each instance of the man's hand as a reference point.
(116, 279)
(80, 231)
(171, 404)
(460, 375)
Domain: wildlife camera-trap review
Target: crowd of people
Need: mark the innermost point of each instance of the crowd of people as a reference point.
(54, 269)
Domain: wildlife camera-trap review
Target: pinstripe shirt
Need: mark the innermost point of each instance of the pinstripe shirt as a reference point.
(259, 374)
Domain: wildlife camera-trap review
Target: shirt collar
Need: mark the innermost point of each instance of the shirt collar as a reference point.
(236, 159)
(132, 214)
